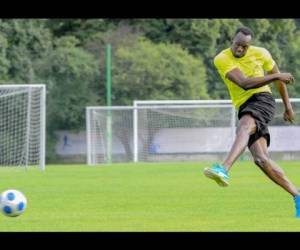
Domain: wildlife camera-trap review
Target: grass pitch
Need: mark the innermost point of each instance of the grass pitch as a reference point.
(146, 197)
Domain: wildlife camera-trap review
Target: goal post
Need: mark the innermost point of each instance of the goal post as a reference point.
(109, 141)
(22, 125)
(136, 129)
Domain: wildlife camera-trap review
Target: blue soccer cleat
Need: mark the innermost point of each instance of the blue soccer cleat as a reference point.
(219, 174)
(297, 205)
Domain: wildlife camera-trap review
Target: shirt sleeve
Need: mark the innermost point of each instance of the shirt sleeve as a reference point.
(268, 60)
(224, 64)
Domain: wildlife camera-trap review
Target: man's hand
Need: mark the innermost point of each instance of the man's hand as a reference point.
(288, 115)
(286, 77)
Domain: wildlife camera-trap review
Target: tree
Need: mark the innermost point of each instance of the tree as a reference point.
(145, 70)
(292, 60)
(203, 38)
(82, 29)
(157, 71)
(96, 45)
(70, 74)
(25, 41)
(4, 62)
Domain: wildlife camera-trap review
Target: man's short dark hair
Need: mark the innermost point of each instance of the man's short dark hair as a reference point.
(245, 30)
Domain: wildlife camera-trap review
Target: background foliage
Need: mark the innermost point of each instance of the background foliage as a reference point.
(152, 59)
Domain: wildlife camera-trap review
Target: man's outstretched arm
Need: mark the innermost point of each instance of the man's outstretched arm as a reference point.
(246, 83)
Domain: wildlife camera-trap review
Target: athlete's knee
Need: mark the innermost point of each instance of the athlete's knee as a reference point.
(262, 160)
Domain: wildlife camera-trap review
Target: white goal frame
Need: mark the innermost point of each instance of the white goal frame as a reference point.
(41, 120)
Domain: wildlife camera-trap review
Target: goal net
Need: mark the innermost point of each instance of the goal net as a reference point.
(109, 134)
(183, 130)
(157, 133)
(22, 125)
(176, 131)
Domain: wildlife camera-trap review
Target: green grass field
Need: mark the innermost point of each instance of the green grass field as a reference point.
(149, 197)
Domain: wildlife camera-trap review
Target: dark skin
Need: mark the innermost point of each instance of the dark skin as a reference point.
(247, 125)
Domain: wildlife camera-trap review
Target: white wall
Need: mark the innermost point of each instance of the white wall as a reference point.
(181, 140)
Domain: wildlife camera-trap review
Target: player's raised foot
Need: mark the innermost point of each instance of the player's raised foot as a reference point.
(217, 173)
(297, 205)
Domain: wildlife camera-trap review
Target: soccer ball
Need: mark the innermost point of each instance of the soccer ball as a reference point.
(12, 203)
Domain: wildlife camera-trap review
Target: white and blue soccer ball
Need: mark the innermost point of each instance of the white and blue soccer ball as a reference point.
(12, 202)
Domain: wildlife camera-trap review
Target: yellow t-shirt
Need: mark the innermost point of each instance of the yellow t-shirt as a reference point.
(253, 64)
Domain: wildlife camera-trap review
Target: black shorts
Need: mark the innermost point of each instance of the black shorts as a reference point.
(261, 107)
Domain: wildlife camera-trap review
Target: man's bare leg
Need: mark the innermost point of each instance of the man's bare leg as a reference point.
(219, 173)
(246, 127)
(259, 151)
